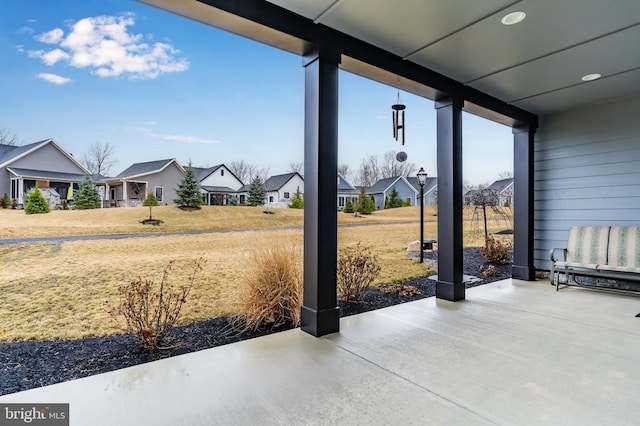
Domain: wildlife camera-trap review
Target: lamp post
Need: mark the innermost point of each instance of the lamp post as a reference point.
(422, 178)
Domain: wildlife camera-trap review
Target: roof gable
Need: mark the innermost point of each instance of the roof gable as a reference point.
(501, 185)
(383, 185)
(15, 153)
(147, 168)
(274, 183)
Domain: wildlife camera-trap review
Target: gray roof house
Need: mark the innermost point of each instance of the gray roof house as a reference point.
(131, 186)
(503, 188)
(42, 164)
(430, 190)
(346, 192)
(218, 184)
(383, 188)
(280, 189)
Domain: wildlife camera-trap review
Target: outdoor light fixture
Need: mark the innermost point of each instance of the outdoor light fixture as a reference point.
(590, 77)
(513, 18)
(422, 179)
(398, 118)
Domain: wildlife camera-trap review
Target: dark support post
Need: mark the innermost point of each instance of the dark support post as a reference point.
(320, 313)
(523, 268)
(450, 285)
(421, 223)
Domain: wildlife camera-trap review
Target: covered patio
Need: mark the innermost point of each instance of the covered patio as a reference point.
(514, 352)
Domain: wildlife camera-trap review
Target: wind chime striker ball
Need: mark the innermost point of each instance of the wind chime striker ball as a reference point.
(401, 156)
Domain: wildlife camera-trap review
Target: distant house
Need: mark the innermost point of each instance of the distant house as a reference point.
(382, 189)
(504, 190)
(346, 192)
(218, 184)
(280, 189)
(43, 165)
(131, 186)
(430, 190)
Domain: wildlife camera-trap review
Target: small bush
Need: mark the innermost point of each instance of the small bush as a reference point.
(404, 290)
(497, 251)
(36, 204)
(150, 312)
(490, 271)
(272, 293)
(5, 201)
(348, 207)
(14, 204)
(297, 202)
(357, 268)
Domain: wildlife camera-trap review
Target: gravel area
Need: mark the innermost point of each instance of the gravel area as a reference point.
(31, 364)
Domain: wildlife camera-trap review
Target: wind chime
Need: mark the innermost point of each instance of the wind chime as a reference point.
(398, 125)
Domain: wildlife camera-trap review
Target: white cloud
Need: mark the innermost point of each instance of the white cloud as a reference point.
(51, 37)
(104, 45)
(53, 78)
(25, 30)
(187, 139)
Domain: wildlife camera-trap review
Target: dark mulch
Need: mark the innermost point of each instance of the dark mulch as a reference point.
(27, 365)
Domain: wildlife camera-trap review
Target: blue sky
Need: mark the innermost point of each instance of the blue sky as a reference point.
(155, 85)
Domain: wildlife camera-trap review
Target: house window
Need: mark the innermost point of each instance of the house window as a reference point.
(14, 189)
(340, 201)
(222, 172)
(159, 191)
(408, 201)
(242, 199)
(271, 198)
(286, 195)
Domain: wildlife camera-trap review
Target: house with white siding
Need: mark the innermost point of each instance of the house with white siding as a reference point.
(280, 189)
(218, 184)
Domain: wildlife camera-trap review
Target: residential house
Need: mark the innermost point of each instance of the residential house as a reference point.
(280, 189)
(382, 189)
(503, 189)
(44, 165)
(430, 190)
(346, 192)
(218, 184)
(131, 186)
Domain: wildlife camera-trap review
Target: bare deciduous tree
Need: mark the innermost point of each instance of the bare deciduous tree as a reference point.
(345, 171)
(505, 174)
(243, 171)
(296, 167)
(369, 172)
(8, 140)
(391, 167)
(99, 158)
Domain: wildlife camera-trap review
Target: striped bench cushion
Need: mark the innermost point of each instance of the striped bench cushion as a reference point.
(624, 248)
(587, 245)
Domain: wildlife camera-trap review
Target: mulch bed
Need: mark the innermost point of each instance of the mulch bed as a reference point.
(31, 364)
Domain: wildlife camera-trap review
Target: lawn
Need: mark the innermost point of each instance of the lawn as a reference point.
(63, 290)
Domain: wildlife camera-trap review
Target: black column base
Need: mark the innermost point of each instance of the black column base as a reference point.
(525, 273)
(320, 323)
(450, 291)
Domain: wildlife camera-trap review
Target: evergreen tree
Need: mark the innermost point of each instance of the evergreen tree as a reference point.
(393, 200)
(348, 207)
(232, 200)
(188, 190)
(87, 196)
(5, 201)
(257, 193)
(37, 203)
(365, 203)
(151, 201)
(297, 202)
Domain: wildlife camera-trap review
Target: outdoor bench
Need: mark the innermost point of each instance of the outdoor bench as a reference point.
(609, 252)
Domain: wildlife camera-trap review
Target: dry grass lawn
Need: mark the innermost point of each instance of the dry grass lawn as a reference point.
(63, 291)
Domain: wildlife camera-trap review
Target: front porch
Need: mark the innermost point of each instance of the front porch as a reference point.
(513, 352)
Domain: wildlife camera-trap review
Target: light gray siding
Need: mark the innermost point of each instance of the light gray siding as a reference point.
(587, 172)
(169, 179)
(47, 158)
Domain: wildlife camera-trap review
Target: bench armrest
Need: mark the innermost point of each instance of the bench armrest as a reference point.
(552, 254)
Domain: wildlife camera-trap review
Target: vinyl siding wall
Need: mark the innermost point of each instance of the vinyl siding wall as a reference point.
(587, 172)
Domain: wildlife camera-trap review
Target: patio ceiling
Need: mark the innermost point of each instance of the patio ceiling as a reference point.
(536, 65)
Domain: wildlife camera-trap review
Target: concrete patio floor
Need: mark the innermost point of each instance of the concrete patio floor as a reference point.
(513, 353)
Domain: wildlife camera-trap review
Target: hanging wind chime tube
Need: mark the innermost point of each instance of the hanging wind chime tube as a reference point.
(398, 119)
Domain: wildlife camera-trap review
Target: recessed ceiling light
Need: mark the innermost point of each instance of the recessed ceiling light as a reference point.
(513, 18)
(590, 77)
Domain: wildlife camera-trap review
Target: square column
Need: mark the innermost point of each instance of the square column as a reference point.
(523, 268)
(320, 313)
(450, 285)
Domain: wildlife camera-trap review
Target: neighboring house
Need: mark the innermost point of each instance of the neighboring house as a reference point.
(130, 188)
(218, 184)
(346, 192)
(430, 190)
(280, 189)
(41, 164)
(504, 190)
(382, 189)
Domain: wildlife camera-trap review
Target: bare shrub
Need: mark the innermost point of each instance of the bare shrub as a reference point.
(357, 268)
(404, 290)
(497, 251)
(490, 271)
(272, 293)
(150, 312)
